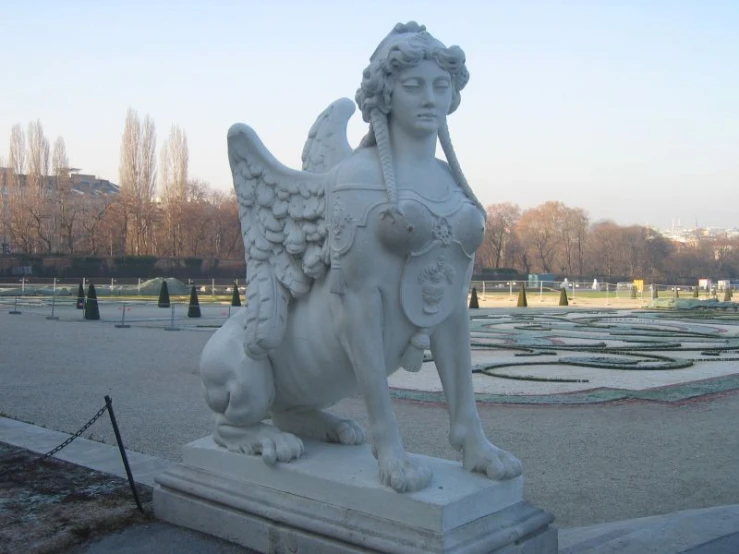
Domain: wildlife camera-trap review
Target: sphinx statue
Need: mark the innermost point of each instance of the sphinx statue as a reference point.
(356, 265)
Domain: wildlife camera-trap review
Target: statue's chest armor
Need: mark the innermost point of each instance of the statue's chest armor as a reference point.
(436, 238)
(452, 219)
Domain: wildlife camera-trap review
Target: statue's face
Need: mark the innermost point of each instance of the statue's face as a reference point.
(421, 98)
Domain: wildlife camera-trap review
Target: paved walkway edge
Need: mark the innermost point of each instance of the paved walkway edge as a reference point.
(83, 452)
(703, 531)
(691, 531)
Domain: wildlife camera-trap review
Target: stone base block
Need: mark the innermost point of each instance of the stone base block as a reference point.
(330, 501)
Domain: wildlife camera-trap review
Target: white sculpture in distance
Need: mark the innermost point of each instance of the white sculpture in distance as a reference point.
(355, 266)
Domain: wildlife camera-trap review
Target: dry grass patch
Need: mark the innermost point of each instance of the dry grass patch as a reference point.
(47, 506)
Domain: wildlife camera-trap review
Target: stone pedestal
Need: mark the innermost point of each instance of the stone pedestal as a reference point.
(330, 501)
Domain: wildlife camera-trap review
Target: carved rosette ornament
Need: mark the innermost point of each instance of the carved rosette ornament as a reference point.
(442, 231)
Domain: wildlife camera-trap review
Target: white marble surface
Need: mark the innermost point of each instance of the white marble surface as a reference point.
(356, 265)
(329, 501)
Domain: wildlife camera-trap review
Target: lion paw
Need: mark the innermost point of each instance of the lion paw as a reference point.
(347, 431)
(496, 463)
(405, 474)
(320, 425)
(260, 440)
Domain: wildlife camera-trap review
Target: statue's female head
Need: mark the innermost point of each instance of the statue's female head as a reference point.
(406, 46)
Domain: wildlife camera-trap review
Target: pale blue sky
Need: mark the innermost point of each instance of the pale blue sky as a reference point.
(626, 108)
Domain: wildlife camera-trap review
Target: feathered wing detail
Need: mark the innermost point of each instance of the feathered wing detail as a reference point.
(266, 310)
(283, 222)
(327, 144)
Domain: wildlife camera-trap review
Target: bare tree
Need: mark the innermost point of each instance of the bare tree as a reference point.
(691, 261)
(225, 238)
(59, 158)
(173, 185)
(66, 206)
(130, 167)
(17, 154)
(573, 225)
(501, 220)
(101, 220)
(658, 251)
(18, 224)
(632, 252)
(137, 172)
(39, 205)
(538, 230)
(4, 207)
(601, 248)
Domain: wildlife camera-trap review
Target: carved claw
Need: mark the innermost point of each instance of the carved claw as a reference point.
(283, 447)
(320, 425)
(496, 463)
(349, 432)
(405, 474)
(261, 439)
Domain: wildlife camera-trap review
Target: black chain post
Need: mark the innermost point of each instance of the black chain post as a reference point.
(109, 406)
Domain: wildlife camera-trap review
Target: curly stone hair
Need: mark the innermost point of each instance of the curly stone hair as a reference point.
(406, 46)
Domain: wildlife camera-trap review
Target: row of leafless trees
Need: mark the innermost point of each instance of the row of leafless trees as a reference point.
(36, 215)
(554, 238)
(159, 211)
(162, 211)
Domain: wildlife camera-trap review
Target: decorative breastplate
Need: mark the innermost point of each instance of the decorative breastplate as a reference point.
(437, 239)
(435, 275)
(421, 221)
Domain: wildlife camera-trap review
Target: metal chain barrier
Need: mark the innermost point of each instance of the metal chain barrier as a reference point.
(107, 408)
(84, 428)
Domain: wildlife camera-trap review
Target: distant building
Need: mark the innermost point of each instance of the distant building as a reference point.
(82, 183)
(691, 236)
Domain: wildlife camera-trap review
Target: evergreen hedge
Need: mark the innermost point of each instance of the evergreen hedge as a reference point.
(193, 310)
(164, 296)
(235, 298)
(563, 297)
(474, 303)
(92, 311)
(80, 297)
(522, 303)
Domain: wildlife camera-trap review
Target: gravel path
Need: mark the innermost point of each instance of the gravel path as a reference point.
(586, 464)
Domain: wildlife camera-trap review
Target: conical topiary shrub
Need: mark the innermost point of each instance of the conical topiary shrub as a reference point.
(193, 309)
(474, 303)
(81, 297)
(695, 292)
(522, 303)
(236, 299)
(563, 297)
(92, 311)
(164, 296)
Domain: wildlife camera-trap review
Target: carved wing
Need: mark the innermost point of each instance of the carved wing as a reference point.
(327, 144)
(282, 213)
